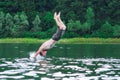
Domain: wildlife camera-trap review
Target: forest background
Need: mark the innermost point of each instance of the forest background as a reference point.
(83, 18)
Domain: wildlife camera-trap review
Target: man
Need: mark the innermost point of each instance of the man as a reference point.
(51, 42)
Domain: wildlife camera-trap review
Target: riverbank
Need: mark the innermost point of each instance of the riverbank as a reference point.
(64, 41)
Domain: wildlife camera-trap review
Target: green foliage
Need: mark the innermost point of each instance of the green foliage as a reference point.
(70, 34)
(82, 29)
(116, 31)
(96, 18)
(85, 27)
(106, 30)
(2, 20)
(24, 24)
(48, 21)
(90, 16)
(74, 28)
(24, 20)
(74, 25)
(36, 24)
(8, 24)
(71, 15)
(15, 30)
(89, 22)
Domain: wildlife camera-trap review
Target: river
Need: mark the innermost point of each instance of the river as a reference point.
(63, 62)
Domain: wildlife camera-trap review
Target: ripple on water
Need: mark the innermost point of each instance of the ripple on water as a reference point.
(13, 77)
(61, 69)
(31, 73)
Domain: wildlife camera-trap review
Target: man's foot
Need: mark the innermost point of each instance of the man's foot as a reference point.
(59, 21)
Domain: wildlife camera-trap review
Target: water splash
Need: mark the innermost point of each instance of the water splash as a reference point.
(37, 59)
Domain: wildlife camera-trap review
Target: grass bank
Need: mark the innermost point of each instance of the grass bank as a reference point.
(64, 41)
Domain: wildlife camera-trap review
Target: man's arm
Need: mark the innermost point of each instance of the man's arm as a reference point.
(38, 52)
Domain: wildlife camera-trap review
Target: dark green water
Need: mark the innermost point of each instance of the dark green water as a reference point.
(63, 62)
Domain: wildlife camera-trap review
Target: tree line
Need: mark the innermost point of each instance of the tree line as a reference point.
(83, 18)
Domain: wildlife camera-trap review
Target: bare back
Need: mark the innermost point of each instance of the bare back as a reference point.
(48, 44)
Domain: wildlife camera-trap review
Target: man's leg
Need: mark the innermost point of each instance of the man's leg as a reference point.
(60, 31)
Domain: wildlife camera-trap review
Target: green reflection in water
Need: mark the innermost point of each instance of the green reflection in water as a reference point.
(63, 50)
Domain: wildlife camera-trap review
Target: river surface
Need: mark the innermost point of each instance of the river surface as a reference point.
(63, 62)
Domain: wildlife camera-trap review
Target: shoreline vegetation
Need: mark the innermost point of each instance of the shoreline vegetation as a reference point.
(64, 40)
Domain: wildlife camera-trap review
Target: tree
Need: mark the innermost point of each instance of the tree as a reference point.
(24, 21)
(116, 31)
(24, 24)
(73, 25)
(36, 24)
(86, 26)
(90, 16)
(71, 15)
(28, 7)
(8, 25)
(2, 20)
(15, 30)
(73, 28)
(106, 30)
(48, 21)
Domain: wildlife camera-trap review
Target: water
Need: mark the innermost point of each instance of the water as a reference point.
(63, 62)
